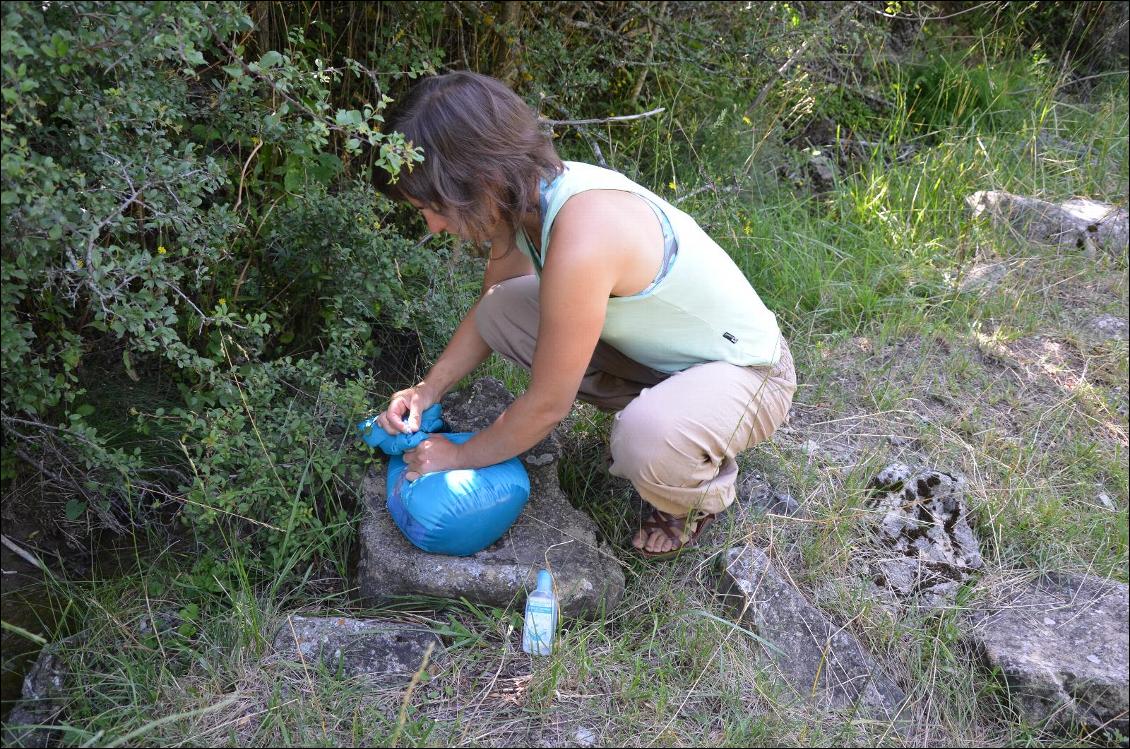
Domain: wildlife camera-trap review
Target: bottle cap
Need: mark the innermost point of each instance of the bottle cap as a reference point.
(545, 581)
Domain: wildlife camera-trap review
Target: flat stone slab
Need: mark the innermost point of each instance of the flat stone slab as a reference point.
(1062, 646)
(814, 656)
(550, 533)
(1081, 223)
(389, 651)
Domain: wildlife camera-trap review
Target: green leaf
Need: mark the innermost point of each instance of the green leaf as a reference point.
(348, 117)
(270, 58)
(75, 509)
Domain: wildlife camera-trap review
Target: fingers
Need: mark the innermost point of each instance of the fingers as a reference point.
(385, 423)
(412, 423)
(414, 462)
(392, 420)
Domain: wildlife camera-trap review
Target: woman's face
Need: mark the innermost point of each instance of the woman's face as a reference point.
(437, 222)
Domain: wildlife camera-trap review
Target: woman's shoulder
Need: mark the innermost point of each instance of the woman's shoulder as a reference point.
(601, 211)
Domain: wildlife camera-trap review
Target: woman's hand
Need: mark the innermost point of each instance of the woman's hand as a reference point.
(436, 453)
(403, 413)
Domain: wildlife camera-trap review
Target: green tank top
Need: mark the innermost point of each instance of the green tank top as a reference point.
(701, 308)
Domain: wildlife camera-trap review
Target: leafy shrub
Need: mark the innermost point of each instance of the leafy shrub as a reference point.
(178, 206)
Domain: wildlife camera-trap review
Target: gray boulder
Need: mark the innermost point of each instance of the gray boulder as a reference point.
(1062, 646)
(924, 548)
(813, 655)
(41, 701)
(388, 651)
(1081, 223)
(550, 533)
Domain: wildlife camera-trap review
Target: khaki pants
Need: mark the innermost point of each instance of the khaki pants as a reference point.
(675, 436)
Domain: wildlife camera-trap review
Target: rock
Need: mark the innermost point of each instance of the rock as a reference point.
(389, 651)
(984, 276)
(40, 703)
(584, 737)
(549, 532)
(925, 547)
(1062, 646)
(821, 169)
(1109, 326)
(892, 477)
(1081, 223)
(754, 490)
(811, 653)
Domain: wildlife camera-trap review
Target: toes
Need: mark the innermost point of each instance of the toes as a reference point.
(640, 540)
(659, 542)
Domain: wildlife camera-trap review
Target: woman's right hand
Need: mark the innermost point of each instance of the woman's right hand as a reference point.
(403, 413)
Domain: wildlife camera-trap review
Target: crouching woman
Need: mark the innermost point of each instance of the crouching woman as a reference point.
(606, 293)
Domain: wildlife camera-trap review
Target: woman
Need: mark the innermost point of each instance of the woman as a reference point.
(606, 293)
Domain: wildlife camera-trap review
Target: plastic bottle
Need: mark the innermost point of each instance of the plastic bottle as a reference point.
(541, 617)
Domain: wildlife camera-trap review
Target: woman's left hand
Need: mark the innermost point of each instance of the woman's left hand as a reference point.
(437, 453)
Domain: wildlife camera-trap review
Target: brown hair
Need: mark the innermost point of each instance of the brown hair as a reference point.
(483, 151)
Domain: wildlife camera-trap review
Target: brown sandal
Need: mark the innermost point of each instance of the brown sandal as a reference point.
(673, 527)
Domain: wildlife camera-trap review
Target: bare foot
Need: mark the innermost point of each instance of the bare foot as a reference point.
(658, 541)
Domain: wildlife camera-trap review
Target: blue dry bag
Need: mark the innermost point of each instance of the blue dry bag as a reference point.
(449, 512)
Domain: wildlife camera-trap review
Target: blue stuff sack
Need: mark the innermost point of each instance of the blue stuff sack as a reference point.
(456, 512)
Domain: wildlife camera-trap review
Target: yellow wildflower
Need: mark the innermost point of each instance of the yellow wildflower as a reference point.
(747, 120)
(223, 301)
(161, 250)
(672, 185)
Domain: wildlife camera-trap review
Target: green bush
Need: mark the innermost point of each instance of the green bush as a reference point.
(175, 211)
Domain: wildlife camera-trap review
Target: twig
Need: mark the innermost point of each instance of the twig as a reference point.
(27, 556)
(617, 118)
(704, 188)
(655, 27)
(243, 175)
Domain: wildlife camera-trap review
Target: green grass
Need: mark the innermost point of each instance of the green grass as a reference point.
(1002, 384)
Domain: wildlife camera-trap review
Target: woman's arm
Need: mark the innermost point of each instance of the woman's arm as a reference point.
(577, 279)
(598, 247)
(465, 351)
